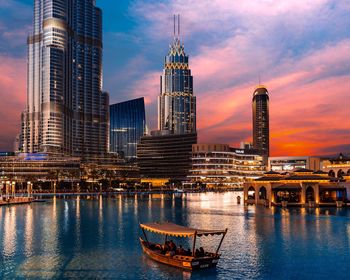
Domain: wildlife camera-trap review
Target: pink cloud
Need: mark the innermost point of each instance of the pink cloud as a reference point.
(225, 75)
(13, 96)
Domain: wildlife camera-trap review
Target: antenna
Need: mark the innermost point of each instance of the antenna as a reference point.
(174, 24)
(259, 80)
(178, 25)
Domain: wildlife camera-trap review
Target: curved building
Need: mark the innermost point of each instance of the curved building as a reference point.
(66, 112)
(221, 165)
(261, 128)
(176, 103)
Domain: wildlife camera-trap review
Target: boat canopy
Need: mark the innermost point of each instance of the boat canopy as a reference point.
(179, 231)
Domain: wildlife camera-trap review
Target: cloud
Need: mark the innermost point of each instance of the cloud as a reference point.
(15, 25)
(13, 96)
(299, 48)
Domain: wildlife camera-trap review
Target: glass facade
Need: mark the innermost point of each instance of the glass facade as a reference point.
(127, 126)
(67, 112)
(176, 103)
(261, 128)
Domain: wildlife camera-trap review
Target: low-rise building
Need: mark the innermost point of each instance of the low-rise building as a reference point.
(298, 188)
(336, 166)
(165, 156)
(289, 164)
(26, 167)
(220, 165)
(41, 167)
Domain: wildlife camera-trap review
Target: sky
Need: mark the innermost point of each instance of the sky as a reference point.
(299, 48)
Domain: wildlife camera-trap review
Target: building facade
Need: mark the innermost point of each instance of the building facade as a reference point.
(289, 164)
(176, 103)
(218, 165)
(66, 112)
(165, 155)
(338, 166)
(127, 126)
(28, 167)
(302, 187)
(261, 127)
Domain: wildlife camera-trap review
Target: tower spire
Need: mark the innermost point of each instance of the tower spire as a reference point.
(178, 25)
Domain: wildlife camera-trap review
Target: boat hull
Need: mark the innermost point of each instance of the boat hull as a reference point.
(183, 262)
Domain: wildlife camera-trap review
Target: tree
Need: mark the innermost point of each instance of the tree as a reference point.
(94, 175)
(54, 174)
(110, 175)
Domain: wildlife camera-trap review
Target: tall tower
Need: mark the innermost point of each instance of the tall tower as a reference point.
(176, 103)
(66, 112)
(261, 129)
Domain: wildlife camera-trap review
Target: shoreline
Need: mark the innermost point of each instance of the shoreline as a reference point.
(130, 192)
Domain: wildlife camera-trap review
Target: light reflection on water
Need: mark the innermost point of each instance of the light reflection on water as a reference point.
(98, 238)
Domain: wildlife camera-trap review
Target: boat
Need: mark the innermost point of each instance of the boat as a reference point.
(187, 261)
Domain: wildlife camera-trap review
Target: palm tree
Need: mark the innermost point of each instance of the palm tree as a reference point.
(94, 175)
(110, 175)
(54, 174)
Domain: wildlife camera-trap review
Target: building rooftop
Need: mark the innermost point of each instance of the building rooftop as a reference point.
(303, 170)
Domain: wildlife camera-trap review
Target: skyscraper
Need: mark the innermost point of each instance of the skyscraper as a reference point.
(166, 153)
(66, 112)
(127, 126)
(176, 103)
(261, 129)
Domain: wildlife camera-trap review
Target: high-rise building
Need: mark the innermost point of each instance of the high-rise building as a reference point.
(261, 130)
(166, 153)
(176, 103)
(127, 126)
(66, 112)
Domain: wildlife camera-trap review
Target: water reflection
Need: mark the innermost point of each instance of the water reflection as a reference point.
(9, 238)
(28, 231)
(77, 224)
(98, 238)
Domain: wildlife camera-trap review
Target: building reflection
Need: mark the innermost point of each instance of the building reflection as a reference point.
(10, 232)
(100, 220)
(28, 231)
(77, 224)
(136, 204)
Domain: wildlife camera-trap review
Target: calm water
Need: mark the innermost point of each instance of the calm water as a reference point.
(79, 238)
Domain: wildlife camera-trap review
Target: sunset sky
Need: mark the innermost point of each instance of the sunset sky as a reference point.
(300, 48)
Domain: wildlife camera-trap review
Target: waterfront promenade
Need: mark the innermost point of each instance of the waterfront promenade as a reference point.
(15, 200)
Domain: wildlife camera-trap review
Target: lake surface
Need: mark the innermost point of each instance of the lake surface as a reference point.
(80, 238)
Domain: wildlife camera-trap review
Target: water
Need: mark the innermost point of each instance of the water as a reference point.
(80, 238)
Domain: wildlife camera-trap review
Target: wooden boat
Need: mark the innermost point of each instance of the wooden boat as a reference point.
(190, 261)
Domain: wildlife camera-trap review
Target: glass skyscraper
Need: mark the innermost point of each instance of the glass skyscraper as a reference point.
(176, 103)
(66, 112)
(127, 126)
(261, 128)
